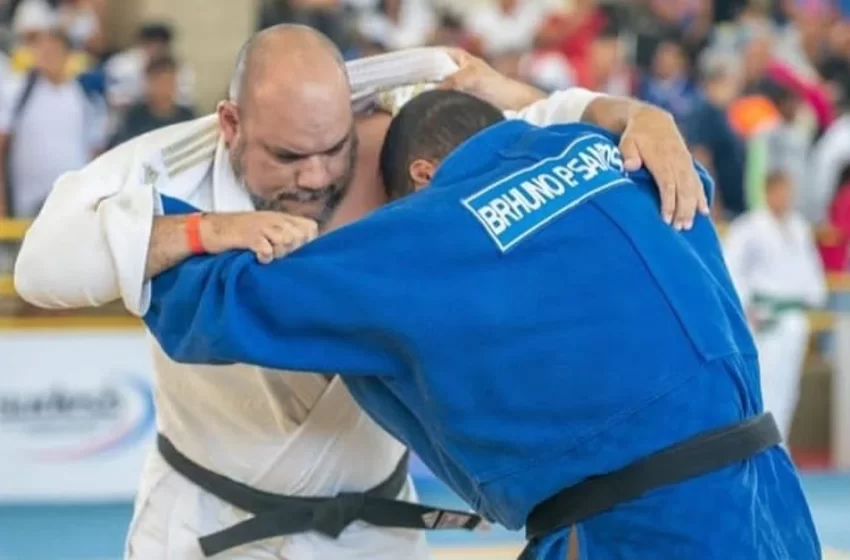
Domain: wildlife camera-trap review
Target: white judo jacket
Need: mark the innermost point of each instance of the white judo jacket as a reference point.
(280, 432)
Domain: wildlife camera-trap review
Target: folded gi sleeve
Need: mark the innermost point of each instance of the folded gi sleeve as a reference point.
(89, 243)
(327, 308)
(561, 107)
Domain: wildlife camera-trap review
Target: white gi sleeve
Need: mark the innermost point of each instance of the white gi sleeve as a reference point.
(372, 76)
(560, 107)
(89, 244)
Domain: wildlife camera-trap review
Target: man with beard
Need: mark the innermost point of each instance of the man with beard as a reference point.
(274, 164)
(551, 350)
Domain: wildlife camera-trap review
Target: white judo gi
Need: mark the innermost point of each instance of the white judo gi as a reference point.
(778, 273)
(286, 434)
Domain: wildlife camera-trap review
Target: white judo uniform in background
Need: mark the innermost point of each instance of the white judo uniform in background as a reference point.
(286, 434)
(778, 274)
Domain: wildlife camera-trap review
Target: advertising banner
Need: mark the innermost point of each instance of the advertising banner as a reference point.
(76, 414)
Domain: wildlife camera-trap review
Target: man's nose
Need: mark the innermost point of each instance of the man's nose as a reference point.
(313, 173)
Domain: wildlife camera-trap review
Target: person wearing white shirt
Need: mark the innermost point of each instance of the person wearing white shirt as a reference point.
(829, 156)
(50, 124)
(286, 141)
(778, 273)
(506, 25)
(398, 24)
(125, 71)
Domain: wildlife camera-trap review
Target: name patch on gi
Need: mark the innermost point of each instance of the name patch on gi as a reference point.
(518, 205)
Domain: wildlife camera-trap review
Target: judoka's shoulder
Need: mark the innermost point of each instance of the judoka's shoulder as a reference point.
(174, 143)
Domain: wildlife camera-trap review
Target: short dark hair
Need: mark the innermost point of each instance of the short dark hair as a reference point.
(156, 32)
(429, 127)
(164, 63)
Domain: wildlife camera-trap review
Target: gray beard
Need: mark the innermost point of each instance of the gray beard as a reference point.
(332, 195)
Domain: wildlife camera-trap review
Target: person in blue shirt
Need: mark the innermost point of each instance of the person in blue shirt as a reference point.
(527, 325)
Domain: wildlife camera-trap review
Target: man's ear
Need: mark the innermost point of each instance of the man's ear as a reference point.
(421, 172)
(228, 120)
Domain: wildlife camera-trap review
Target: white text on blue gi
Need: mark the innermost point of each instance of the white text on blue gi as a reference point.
(532, 194)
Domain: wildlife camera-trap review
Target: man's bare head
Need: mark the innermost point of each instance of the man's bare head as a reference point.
(289, 124)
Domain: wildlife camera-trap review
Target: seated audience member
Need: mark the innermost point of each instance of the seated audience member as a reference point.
(160, 106)
(126, 70)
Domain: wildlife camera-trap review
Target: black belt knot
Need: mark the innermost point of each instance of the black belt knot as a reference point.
(331, 517)
(278, 515)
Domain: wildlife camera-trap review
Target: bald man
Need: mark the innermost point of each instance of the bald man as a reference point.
(293, 151)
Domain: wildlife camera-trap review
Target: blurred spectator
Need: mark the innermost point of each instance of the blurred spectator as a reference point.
(81, 22)
(656, 20)
(830, 155)
(160, 107)
(782, 146)
(727, 10)
(570, 31)
(502, 26)
(451, 31)
(801, 46)
(32, 19)
(399, 24)
(669, 84)
(765, 63)
(776, 269)
(126, 70)
(758, 52)
(834, 68)
(324, 15)
(50, 125)
(547, 70)
(819, 109)
(835, 243)
(604, 68)
(710, 134)
(835, 65)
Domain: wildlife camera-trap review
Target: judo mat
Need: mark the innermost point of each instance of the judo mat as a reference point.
(96, 532)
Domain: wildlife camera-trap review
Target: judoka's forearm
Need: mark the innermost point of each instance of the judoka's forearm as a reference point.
(611, 113)
(516, 96)
(168, 246)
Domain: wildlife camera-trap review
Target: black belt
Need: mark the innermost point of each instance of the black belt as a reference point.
(277, 515)
(693, 457)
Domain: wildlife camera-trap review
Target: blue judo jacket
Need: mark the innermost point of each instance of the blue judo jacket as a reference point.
(525, 322)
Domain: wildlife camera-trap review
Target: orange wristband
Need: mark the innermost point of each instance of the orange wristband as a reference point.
(193, 233)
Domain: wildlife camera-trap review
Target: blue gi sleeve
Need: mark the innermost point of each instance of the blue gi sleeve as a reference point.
(707, 182)
(321, 309)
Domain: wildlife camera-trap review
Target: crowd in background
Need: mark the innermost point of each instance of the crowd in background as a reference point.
(758, 87)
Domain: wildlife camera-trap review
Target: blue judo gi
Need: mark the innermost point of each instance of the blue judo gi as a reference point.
(522, 324)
